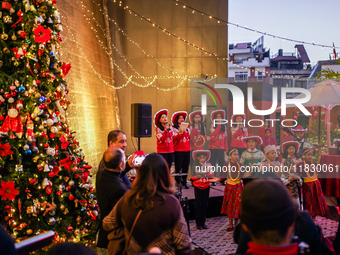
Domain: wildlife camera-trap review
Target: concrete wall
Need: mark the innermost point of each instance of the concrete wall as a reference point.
(171, 52)
(93, 104)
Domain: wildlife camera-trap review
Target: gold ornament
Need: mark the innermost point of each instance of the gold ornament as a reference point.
(11, 10)
(6, 50)
(14, 37)
(16, 63)
(4, 36)
(29, 232)
(7, 19)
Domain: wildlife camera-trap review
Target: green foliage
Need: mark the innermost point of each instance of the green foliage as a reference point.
(329, 74)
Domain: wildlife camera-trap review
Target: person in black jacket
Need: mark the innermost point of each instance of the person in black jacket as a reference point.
(6, 243)
(110, 188)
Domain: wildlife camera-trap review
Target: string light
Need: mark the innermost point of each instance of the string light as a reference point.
(129, 78)
(251, 29)
(164, 30)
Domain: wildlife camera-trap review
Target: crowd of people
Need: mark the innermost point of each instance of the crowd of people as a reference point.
(146, 218)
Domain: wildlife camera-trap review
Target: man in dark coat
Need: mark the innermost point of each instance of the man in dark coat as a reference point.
(110, 187)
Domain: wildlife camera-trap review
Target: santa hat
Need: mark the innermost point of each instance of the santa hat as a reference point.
(139, 153)
(299, 128)
(253, 137)
(214, 113)
(174, 116)
(192, 115)
(206, 152)
(268, 149)
(294, 143)
(158, 114)
(233, 117)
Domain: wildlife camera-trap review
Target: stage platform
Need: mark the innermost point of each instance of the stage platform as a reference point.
(215, 200)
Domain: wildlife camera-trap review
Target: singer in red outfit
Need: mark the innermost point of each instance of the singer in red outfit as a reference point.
(164, 135)
(181, 146)
(218, 140)
(238, 131)
(197, 132)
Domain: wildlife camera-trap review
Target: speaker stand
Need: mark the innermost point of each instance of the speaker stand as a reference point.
(138, 143)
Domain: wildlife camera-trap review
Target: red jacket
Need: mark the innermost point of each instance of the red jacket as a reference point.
(263, 131)
(164, 140)
(181, 142)
(199, 181)
(219, 139)
(194, 134)
(237, 134)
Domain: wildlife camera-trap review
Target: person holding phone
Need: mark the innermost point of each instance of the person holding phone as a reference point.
(164, 135)
(181, 146)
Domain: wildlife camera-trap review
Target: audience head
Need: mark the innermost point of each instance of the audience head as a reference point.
(307, 154)
(233, 154)
(70, 249)
(153, 179)
(117, 139)
(265, 124)
(268, 132)
(114, 159)
(286, 131)
(270, 152)
(268, 212)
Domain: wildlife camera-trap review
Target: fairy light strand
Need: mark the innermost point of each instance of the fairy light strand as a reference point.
(194, 10)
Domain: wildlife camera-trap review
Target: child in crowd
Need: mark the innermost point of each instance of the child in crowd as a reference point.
(268, 139)
(290, 158)
(270, 154)
(232, 192)
(252, 155)
(201, 174)
(181, 146)
(218, 143)
(238, 131)
(313, 198)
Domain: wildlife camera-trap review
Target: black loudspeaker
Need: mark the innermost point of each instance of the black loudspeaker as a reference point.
(141, 120)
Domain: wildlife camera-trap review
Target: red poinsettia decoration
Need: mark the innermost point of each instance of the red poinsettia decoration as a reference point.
(5, 149)
(6, 5)
(66, 163)
(7, 190)
(42, 35)
(65, 68)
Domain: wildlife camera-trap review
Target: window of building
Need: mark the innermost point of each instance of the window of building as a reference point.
(241, 76)
(259, 76)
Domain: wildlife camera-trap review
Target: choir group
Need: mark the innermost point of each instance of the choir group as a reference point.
(179, 145)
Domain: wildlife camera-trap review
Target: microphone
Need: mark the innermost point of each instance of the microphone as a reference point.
(169, 126)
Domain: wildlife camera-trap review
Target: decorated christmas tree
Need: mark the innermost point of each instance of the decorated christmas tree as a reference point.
(45, 183)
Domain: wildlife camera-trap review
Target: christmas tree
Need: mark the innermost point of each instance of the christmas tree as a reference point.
(45, 182)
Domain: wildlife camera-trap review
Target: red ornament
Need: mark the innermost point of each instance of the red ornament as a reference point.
(7, 95)
(71, 197)
(23, 34)
(69, 228)
(33, 181)
(2, 118)
(7, 190)
(13, 94)
(20, 13)
(37, 81)
(65, 68)
(68, 188)
(8, 208)
(46, 145)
